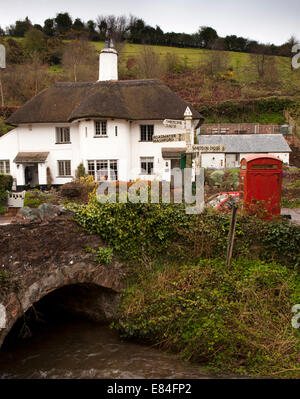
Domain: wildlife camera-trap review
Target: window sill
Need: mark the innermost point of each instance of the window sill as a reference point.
(145, 141)
(65, 142)
(99, 136)
(143, 174)
(63, 177)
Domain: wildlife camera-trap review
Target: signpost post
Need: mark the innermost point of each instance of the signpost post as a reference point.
(2, 66)
(191, 149)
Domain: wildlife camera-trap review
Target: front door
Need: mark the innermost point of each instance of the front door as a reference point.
(230, 160)
(31, 175)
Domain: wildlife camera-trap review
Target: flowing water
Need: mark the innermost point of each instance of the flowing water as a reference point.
(84, 349)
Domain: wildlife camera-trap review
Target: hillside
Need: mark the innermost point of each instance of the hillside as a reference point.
(226, 86)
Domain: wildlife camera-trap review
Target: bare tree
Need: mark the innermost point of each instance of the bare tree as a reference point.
(22, 82)
(148, 64)
(78, 57)
(216, 62)
(112, 26)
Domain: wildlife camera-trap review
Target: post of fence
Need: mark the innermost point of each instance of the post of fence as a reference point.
(231, 235)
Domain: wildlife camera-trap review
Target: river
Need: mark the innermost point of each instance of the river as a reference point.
(85, 349)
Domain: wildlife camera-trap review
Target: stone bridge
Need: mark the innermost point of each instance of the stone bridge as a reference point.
(41, 259)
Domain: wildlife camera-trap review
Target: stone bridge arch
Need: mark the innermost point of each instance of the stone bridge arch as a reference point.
(46, 264)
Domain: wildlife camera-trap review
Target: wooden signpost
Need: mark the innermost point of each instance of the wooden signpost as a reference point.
(191, 149)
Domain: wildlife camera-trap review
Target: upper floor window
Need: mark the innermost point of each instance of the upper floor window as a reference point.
(62, 135)
(64, 168)
(100, 128)
(4, 167)
(147, 132)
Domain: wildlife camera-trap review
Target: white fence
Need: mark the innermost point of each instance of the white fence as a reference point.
(16, 200)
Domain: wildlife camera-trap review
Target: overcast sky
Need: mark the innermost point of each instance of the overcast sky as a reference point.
(262, 20)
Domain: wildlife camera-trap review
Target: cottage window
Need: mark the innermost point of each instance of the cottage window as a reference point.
(100, 128)
(4, 167)
(104, 169)
(62, 135)
(147, 132)
(64, 168)
(147, 164)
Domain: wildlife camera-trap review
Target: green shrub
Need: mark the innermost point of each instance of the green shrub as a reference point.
(6, 182)
(2, 210)
(145, 231)
(80, 171)
(132, 230)
(104, 255)
(35, 198)
(32, 200)
(3, 196)
(235, 319)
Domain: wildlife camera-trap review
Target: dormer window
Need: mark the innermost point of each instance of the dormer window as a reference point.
(63, 135)
(100, 128)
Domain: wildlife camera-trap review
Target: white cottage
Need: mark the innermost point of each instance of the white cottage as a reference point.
(110, 126)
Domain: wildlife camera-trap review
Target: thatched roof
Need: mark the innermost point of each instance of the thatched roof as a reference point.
(127, 99)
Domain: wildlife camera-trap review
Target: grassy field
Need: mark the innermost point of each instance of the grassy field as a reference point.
(193, 57)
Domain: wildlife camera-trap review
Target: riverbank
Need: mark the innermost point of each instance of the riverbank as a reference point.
(235, 319)
(182, 298)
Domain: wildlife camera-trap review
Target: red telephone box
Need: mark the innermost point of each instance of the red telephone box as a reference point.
(260, 182)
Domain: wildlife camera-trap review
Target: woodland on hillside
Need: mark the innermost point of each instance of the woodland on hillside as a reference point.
(67, 50)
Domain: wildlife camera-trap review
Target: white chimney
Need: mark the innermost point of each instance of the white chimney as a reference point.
(108, 62)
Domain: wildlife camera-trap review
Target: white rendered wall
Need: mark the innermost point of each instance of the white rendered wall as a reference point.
(111, 147)
(40, 138)
(9, 148)
(213, 160)
(125, 147)
(150, 149)
(284, 156)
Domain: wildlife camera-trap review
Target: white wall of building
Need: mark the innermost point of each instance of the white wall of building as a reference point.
(213, 160)
(284, 156)
(162, 169)
(125, 147)
(217, 160)
(40, 138)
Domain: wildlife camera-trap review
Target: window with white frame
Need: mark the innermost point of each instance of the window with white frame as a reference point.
(147, 132)
(147, 165)
(62, 135)
(64, 168)
(103, 169)
(100, 128)
(4, 167)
